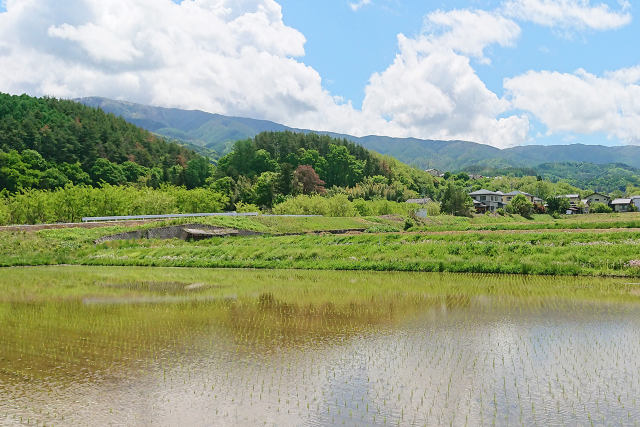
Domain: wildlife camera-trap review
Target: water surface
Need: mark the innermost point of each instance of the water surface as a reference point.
(114, 346)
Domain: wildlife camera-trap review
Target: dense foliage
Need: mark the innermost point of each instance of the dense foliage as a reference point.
(47, 143)
(273, 165)
(71, 203)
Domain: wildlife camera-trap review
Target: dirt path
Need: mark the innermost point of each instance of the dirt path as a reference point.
(38, 227)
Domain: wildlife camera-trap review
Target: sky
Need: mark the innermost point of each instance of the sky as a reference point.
(504, 73)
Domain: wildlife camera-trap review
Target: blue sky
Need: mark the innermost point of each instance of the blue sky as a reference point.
(505, 73)
(346, 46)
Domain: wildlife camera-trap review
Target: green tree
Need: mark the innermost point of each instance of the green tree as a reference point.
(53, 178)
(265, 189)
(558, 205)
(196, 172)
(600, 208)
(104, 171)
(456, 201)
(520, 205)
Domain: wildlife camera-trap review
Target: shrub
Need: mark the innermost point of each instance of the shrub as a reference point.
(520, 205)
(600, 208)
(433, 208)
(246, 207)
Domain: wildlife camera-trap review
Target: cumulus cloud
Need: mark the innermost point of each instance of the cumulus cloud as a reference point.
(435, 91)
(432, 89)
(569, 14)
(581, 102)
(237, 57)
(469, 31)
(226, 56)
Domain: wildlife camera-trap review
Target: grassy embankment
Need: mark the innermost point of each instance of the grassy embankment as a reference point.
(608, 251)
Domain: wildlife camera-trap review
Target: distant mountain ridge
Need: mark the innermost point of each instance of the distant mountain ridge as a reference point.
(217, 132)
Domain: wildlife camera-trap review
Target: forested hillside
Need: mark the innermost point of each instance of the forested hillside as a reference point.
(215, 131)
(47, 143)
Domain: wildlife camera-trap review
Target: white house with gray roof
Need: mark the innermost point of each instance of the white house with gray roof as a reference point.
(487, 201)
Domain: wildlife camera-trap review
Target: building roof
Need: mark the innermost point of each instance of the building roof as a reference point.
(423, 201)
(484, 192)
(515, 193)
(571, 196)
(621, 202)
(598, 194)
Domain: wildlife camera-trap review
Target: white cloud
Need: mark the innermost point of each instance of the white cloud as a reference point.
(469, 31)
(581, 102)
(238, 57)
(355, 6)
(569, 14)
(431, 90)
(226, 56)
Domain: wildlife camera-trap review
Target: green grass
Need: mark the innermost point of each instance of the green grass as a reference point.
(537, 222)
(550, 253)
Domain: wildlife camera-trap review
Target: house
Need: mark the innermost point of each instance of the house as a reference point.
(509, 196)
(636, 201)
(597, 198)
(423, 201)
(575, 204)
(435, 172)
(573, 198)
(487, 201)
(538, 201)
(621, 205)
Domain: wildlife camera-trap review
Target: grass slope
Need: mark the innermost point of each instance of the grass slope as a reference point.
(607, 251)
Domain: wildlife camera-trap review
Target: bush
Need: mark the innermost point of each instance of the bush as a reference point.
(71, 203)
(500, 211)
(433, 208)
(600, 208)
(339, 206)
(408, 223)
(246, 208)
(520, 205)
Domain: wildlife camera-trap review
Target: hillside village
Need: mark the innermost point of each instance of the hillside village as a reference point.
(491, 201)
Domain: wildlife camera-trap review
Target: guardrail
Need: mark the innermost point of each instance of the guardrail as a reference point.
(167, 216)
(192, 215)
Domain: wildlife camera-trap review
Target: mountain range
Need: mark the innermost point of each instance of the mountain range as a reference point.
(214, 134)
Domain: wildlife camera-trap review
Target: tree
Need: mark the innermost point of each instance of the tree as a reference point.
(265, 188)
(307, 181)
(53, 178)
(520, 205)
(600, 208)
(196, 172)
(456, 201)
(107, 172)
(558, 205)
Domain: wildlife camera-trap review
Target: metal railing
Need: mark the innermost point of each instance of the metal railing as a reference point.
(192, 215)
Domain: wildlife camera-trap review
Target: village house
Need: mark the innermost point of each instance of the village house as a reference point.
(487, 201)
(435, 172)
(636, 201)
(575, 204)
(621, 205)
(597, 198)
(509, 196)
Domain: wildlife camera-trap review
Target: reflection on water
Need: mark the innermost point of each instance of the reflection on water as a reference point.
(414, 359)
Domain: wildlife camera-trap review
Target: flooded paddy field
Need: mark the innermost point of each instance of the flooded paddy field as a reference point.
(156, 346)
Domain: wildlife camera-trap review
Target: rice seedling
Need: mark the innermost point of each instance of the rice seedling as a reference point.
(283, 347)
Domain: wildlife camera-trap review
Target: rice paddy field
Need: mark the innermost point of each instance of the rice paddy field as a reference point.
(96, 345)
